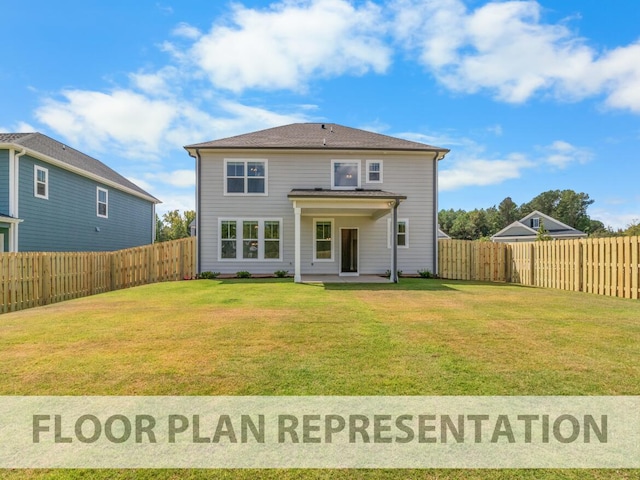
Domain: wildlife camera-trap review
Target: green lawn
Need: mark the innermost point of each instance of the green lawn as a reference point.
(274, 337)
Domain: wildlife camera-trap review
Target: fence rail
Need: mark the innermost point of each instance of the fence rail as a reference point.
(605, 266)
(31, 279)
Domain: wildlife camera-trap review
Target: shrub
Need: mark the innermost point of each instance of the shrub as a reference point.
(388, 273)
(425, 273)
(208, 275)
(243, 274)
(281, 273)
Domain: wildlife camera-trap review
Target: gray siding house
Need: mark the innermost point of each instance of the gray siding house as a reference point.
(316, 199)
(526, 229)
(55, 198)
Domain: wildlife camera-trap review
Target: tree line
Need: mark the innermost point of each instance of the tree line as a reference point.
(567, 206)
(173, 225)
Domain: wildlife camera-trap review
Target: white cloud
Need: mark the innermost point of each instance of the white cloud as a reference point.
(506, 48)
(616, 219)
(290, 43)
(561, 154)
(186, 31)
(481, 172)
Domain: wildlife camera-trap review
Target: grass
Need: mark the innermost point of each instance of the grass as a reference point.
(274, 337)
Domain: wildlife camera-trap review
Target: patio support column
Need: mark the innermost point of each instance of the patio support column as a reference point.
(394, 243)
(297, 275)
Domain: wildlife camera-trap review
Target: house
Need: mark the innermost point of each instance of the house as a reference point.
(442, 235)
(55, 198)
(526, 229)
(316, 199)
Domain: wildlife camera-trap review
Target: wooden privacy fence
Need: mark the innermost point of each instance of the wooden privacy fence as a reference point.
(31, 279)
(605, 266)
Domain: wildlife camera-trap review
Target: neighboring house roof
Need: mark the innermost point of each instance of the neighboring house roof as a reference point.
(520, 230)
(42, 145)
(317, 136)
(442, 235)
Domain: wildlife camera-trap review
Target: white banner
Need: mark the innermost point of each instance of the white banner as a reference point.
(320, 432)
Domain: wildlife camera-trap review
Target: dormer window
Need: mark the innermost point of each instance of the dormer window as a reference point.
(345, 174)
(535, 223)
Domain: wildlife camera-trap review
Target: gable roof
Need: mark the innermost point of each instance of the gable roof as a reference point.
(46, 148)
(520, 229)
(317, 136)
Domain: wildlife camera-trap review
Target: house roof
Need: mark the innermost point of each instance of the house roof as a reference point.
(41, 144)
(317, 136)
(323, 193)
(519, 229)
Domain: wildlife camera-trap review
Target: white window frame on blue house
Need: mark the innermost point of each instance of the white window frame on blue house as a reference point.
(105, 202)
(36, 182)
(246, 177)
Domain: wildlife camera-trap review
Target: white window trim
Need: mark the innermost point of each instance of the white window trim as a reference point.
(239, 239)
(533, 221)
(333, 184)
(36, 169)
(369, 162)
(246, 186)
(98, 190)
(333, 239)
(406, 234)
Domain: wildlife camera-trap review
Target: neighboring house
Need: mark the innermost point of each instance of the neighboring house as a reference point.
(55, 198)
(314, 198)
(442, 235)
(526, 229)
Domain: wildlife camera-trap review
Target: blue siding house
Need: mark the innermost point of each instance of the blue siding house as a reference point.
(55, 198)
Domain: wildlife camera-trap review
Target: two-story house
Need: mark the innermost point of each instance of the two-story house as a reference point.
(55, 198)
(316, 199)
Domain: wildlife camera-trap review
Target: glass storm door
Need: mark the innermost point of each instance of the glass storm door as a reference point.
(349, 251)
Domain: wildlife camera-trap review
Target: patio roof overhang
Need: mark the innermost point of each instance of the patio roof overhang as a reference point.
(367, 203)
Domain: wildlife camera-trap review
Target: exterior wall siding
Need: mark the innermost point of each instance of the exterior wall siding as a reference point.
(67, 220)
(409, 175)
(4, 181)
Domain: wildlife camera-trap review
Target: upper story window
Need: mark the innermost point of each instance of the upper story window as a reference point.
(40, 182)
(245, 177)
(374, 171)
(102, 198)
(345, 174)
(535, 222)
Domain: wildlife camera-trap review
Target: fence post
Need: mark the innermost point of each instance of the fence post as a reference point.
(46, 279)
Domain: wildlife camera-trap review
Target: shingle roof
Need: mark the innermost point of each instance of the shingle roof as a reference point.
(323, 193)
(40, 143)
(320, 136)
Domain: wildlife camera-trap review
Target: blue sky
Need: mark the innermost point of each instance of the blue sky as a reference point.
(528, 95)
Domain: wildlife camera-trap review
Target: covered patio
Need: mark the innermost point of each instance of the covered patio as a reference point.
(373, 204)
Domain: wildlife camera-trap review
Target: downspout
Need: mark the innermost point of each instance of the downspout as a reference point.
(435, 213)
(394, 242)
(198, 159)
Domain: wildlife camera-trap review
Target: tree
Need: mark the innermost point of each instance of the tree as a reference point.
(543, 233)
(173, 225)
(567, 206)
(508, 212)
(633, 229)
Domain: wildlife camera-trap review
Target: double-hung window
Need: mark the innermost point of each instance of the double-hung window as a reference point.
(374, 171)
(250, 239)
(40, 182)
(345, 174)
(245, 177)
(403, 233)
(535, 223)
(323, 240)
(102, 202)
